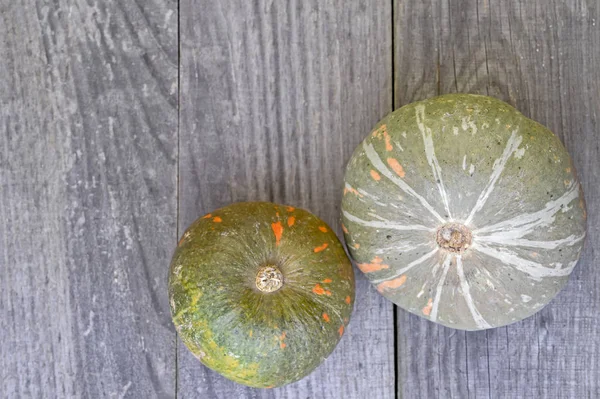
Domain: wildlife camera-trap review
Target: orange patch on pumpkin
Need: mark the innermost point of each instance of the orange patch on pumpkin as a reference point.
(356, 246)
(323, 229)
(348, 300)
(388, 144)
(208, 215)
(396, 167)
(427, 309)
(353, 191)
(321, 247)
(327, 281)
(290, 208)
(375, 175)
(217, 219)
(390, 284)
(375, 265)
(381, 130)
(344, 229)
(341, 330)
(371, 267)
(326, 317)
(317, 289)
(282, 344)
(291, 221)
(278, 231)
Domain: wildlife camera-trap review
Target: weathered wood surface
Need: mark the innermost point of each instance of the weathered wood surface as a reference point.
(274, 98)
(542, 57)
(88, 133)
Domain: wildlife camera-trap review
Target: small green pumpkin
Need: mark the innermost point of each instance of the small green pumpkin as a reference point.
(261, 293)
(462, 210)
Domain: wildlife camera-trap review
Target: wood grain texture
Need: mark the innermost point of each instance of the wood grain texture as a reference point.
(88, 124)
(275, 96)
(541, 57)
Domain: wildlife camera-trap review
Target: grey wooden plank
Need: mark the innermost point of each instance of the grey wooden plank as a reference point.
(541, 57)
(274, 98)
(88, 132)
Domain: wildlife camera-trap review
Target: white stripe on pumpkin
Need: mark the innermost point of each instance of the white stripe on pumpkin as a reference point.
(438, 290)
(403, 246)
(380, 166)
(536, 270)
(373, 197)
(408, 267)
(385, 224)
(511, 146)
(466, 292)
(522, 242)
(523, 224)
(431, 158)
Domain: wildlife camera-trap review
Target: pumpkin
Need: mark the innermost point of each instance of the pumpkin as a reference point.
(461, 210)
(261, 293)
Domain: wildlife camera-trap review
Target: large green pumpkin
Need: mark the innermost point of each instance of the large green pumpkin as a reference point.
(260, 292)
(462, 210)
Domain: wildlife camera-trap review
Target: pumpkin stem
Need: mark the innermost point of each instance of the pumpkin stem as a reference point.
(454, 237)
(269, 279)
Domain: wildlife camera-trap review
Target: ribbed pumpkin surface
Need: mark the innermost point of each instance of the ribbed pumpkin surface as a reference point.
(462, 210)
(261, 292)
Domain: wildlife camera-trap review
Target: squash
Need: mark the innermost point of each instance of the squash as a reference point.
(261, 293)
(461, 210)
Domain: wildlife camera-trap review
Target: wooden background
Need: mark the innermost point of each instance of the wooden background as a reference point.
(122, 121)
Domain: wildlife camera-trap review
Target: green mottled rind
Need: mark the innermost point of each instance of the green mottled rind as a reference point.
(469, 134)
(255, 338)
